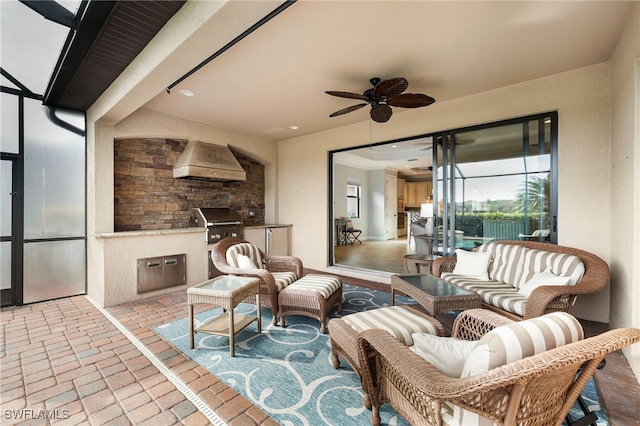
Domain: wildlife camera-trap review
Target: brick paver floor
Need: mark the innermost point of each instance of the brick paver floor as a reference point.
(63, 362)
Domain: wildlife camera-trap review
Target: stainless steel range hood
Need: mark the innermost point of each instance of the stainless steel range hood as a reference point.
(202, 160)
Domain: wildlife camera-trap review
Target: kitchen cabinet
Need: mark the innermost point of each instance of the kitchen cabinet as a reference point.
(400, 189)
(416, 193)
(273, 239)
(155, 273)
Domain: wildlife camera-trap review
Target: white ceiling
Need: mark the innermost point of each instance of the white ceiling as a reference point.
(276, 77)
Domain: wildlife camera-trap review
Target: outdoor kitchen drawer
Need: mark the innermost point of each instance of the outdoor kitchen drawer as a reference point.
(155, 273)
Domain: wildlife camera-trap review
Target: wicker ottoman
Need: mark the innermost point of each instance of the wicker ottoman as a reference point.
(400, 321)
(313, 296)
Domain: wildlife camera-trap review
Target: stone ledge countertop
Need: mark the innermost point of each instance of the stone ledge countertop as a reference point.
(149, 232)
(268, 225)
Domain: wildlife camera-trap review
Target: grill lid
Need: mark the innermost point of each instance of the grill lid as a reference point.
(216, 216)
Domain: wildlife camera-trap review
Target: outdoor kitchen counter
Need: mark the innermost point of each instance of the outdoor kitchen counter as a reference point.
(274, 239)
(268, 225)
(115, 280)
(148, 232)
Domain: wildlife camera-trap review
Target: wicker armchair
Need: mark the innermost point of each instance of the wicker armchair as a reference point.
(536, 390)
(270, 264)
(548, 298)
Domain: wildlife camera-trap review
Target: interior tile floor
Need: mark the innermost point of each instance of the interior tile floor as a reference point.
(377, 255)
(65, 362)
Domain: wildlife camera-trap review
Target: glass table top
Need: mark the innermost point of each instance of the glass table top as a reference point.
(433, 286)
(226, 283)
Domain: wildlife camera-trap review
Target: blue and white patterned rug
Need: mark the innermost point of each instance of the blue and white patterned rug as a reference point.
(287, 372)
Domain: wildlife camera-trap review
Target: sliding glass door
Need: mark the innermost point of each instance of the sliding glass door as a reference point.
(496, 182)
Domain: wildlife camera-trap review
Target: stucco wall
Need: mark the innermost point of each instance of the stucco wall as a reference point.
(122, 250)
(581, 99)
(625, 183)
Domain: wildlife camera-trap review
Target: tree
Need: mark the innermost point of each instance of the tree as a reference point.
(532, 198)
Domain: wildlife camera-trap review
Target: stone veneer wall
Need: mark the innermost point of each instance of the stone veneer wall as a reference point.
(148, 197)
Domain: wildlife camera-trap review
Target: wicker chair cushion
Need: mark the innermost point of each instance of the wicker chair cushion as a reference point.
(493, 293)
(247, 249)
(245, 262)
(515, 341)
(323, 284)
(447, 354)
(398, 321)
(507, 344)
(566, 265)
(283, 279)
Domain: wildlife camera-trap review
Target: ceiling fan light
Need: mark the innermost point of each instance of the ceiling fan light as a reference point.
(381, 113)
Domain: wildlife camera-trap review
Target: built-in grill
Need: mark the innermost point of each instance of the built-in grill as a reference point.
(219, 223)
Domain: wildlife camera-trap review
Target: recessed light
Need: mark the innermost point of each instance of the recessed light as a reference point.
(394, 146)
(294, 127)
(185, 92)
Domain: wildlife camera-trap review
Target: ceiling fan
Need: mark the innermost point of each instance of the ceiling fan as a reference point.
(382, 96)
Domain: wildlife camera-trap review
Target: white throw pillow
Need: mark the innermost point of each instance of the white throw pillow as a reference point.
(540, 279)
(447, 354)
(473, 265)
(245, 262)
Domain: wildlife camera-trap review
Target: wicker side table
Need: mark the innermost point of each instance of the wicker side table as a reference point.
(227, 292)
(433, 294)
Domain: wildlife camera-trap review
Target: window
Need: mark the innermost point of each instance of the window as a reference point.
(354, 194)
(497, 182)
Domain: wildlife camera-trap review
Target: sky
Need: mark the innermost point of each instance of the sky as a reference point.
(29, 44)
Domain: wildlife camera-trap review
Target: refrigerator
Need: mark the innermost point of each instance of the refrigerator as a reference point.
(277, 240)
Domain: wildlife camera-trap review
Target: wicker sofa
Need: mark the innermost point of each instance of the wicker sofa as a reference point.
(525, 279)
(504, 379)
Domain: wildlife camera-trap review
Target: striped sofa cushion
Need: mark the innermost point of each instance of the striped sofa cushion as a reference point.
(506, 261)
(324, 284)
(562, 264)
(397, 320)
(493, 292)
(247, 249)
(519, 340)
(283, 279)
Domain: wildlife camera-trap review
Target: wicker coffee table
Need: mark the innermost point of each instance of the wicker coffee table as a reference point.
(433, 294)
(226, 292)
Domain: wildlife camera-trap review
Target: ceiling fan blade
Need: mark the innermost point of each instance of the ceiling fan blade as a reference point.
(411, 100)
(391, 87)
(348, 95)
(381, 113)
(348, 109)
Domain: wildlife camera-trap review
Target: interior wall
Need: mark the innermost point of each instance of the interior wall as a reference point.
(581, 99)
(375, 197)
(342, 175)
(625, 183)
